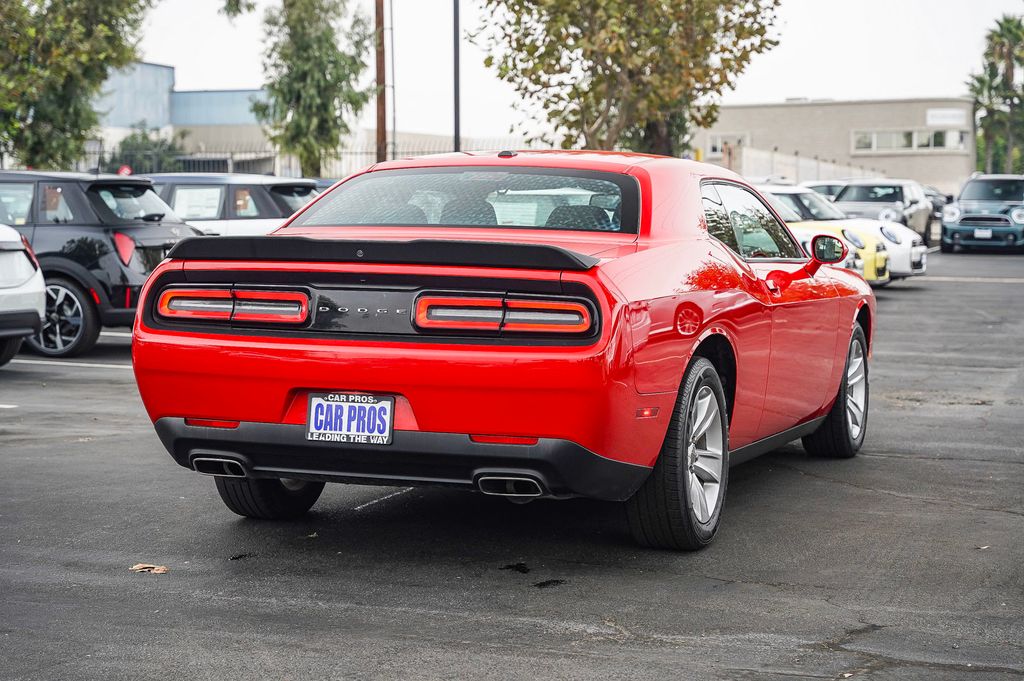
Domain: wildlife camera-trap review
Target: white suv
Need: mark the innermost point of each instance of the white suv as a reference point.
(22, 294)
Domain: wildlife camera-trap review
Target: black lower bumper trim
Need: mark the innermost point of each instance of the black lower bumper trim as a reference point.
(19, 324)
(271, 450)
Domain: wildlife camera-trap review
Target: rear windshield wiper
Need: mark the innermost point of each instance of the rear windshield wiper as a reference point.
(152, 217)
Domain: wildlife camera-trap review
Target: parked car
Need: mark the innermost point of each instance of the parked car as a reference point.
(988, 213)
(901, 201)
(97, 238)
(221, 204)
(22, 295)
(938, 201)
(906, 253)
(806, 230)
(609, 326)
(827, 188)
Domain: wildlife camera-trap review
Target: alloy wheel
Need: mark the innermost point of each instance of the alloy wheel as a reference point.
(704, 454)
(856, 389)
(63, 324)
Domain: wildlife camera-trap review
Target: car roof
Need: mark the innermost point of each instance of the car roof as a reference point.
(783, 189)
(9, 234)
(62, 176)
(607, 161)
(997, 176)
(879, 180)
(228, 178)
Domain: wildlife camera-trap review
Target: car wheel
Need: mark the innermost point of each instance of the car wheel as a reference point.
(268, 499)
(71, 325)
(679, 506)
(841, 434)
(8, 349)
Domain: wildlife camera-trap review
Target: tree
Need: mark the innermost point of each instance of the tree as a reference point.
(984, 90)
(604, 70)
(57, 58)
(1004, 49)
(312, 83)
(146, 151)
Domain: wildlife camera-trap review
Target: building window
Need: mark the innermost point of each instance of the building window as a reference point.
(717, 142)
(898, 141)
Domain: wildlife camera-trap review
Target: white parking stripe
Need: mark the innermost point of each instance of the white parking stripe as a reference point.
(360, 507)
(8, 406)
(977, 280)
(933, 249)
(66, 363)
(116, 334)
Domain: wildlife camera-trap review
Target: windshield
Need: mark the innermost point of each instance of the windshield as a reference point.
(528, 198)
(993, 190)
(131, 202)
(812, 206)
(291, 197)
(785, 211)
(871, 193)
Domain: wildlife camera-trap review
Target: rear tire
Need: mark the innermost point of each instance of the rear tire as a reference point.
(841, 434)
(72, 324)
(680, 504)
(8, 349)
(268, 499)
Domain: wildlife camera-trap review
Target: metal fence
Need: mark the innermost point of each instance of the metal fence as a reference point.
(762, 165)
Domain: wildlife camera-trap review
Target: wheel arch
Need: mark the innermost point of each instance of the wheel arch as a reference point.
(863, 318)
(717, 349)
(60, 267)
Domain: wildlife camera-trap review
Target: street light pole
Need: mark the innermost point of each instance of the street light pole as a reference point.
(382, 104)
(457, 142)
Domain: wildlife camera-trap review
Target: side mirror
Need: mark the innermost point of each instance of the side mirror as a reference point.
(950, 198)
(825, 250)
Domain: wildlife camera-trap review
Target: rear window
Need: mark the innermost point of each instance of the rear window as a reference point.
(993, 190)
(290, 198)
(130, 202)
(15, 202)
(525, 198)
(871, 193)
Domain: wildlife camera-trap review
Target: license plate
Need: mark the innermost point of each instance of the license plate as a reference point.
(983, 234)
(350, 418)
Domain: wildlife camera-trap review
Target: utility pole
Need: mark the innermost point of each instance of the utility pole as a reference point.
(457, 36)
(382, 103)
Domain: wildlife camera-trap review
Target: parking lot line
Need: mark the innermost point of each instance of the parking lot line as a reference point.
(116, 334)
(8, 406)
(978, 280)
(65, 363)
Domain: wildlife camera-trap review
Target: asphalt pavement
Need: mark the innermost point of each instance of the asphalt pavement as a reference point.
(906, 562)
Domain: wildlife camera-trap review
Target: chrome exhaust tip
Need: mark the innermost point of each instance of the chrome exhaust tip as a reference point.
(509, 486)
(226, 468)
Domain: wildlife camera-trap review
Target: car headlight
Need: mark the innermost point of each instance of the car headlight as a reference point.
(891, 235)
(890, 215)
(951, 213)
(853, 239)
(1017, 215)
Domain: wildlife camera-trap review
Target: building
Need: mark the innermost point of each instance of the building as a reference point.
(928, 140)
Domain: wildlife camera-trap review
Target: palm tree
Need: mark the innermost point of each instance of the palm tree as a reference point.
(984, 89)
(1004, 48)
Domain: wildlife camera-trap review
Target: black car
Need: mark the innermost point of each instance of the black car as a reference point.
(234, 204)
(97, 238)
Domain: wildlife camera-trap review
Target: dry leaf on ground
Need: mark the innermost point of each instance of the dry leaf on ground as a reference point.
(146, 567)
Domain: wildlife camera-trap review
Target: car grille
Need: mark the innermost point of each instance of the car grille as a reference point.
(984, 220)
(881, 269)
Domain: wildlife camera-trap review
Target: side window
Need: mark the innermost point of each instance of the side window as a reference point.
(200, 202)
(15, 202)
(719, 225)
(54, 206)
(759, 233)
(244, 202)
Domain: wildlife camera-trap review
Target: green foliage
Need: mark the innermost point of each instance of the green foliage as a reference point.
(610, 71)
(312, 83)
(146, 151)
(56, 58)
(998, 93)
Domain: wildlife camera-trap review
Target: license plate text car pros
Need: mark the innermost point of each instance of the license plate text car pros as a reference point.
(348, 418)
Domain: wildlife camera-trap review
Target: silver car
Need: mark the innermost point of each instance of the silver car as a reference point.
(902, 201)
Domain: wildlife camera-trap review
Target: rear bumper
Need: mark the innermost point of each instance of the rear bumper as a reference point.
(273, 450)
(19, 323)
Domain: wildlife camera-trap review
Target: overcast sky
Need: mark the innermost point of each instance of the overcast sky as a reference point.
(839, 49)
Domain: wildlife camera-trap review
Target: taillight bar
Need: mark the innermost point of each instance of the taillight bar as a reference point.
(227, 305)
(515, 315)
(29, 252)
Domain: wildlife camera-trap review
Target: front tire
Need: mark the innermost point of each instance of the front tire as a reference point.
(71, 325)
(268, 499)
(945, 248)
(8, 349)
(841, 434)
(679, 506)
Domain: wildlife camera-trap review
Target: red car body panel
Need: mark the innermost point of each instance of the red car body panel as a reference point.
(661, 293)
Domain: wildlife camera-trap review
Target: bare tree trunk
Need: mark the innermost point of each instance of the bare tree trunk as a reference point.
(989, 150)
(1010, 143)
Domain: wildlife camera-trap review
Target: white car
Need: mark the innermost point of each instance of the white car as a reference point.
(22, 293)
(908, 256)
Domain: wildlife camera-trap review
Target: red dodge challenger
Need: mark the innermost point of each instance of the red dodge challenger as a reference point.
(525, 324)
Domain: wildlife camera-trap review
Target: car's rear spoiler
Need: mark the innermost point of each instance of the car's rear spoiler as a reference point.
(417, 252)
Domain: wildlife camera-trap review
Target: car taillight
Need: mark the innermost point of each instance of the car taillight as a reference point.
(125, 246)
(514, 315)
(225, 305)
(29, 252)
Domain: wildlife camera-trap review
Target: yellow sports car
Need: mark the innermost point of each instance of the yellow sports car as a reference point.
(870, 248)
